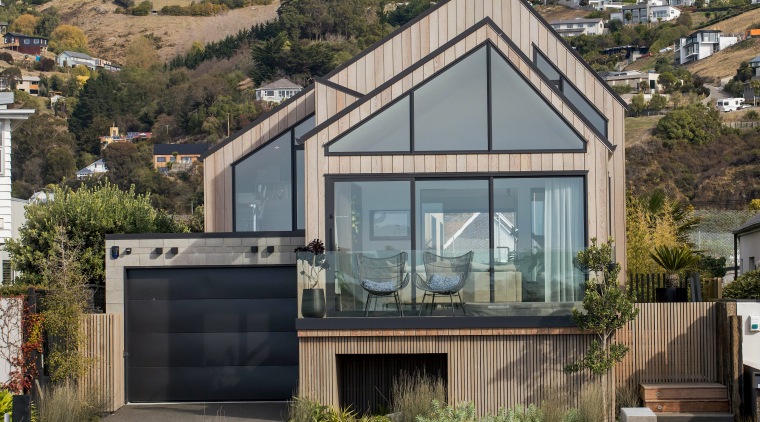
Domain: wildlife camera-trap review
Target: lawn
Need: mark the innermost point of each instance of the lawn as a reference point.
(639, 129)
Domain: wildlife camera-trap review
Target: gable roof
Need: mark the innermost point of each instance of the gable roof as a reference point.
(280, 84)
(16, 34)
(77, 55)
(755, 60)
(183, 149)
(751, 225)
(442, 3)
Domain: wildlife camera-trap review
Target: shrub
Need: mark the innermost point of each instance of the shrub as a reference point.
(751, 115)
(626, 397)
(413, 395)
(305, 410)
(746, 286)
(622, 89)
(6, 57)
(64, 403)
(696, 124)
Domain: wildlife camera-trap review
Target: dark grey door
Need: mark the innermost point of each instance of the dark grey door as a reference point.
(211, 334)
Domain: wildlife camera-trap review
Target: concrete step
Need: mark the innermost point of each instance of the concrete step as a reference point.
(695, 417)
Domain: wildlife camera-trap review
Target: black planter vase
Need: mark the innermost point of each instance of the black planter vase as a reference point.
(671, 294)
(313, 303)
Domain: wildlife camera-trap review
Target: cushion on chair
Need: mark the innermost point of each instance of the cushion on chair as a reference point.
(443, 283)
(379, 286)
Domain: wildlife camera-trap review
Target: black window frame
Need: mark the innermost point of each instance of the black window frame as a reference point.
(559, 88)
(294, 146)
(490, 47)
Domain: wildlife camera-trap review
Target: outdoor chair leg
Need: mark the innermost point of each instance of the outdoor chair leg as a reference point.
(432, 305)
(464, 311)
(422, 305)
(451, 299)
(398, 303)
(366, 306)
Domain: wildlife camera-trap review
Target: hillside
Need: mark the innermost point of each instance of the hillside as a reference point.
(738, 24)
(723, 64)
(109, 33)
(559, 12)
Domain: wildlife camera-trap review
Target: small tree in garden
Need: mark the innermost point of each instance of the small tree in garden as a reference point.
(606, 308)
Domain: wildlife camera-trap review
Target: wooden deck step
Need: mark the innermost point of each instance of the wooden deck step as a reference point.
(684, 391)
(685, 397)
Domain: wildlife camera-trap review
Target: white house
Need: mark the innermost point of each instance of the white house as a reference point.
(278, 91)
(73, 59)
(29, 84)
(701, 44)
(654, 11)
(634, 79)
(755, 65)
(9, 119)
(574, 27)
(98, 167)
(747, 245)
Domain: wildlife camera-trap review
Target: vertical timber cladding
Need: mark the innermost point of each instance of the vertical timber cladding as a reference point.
(211, 334)
(491, 368)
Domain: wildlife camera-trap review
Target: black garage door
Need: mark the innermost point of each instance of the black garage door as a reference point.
(211, 334)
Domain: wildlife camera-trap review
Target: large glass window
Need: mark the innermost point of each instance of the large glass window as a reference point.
(584, 106)
(523, 232)
(269, 184)
(522, 119)
(450, 112)
(388, 131)
(263, 189)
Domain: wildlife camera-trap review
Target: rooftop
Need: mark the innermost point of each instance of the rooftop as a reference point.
(579, 20)
(750, 225)
(183, 149)
(280, 84)
(77, 55)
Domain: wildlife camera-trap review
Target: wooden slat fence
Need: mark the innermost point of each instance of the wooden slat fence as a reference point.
(643, 286)
(104, 351)
(741, 125)
(669, 342)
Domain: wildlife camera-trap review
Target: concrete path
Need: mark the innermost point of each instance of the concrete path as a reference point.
(201, 412)
(716, 93)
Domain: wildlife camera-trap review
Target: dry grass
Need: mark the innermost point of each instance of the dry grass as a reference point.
(724, 63)
(738, 24)
(646, 63)
(559, 12)
(64, 403)
(413, 395)
(640, 129)
(590, 407)
(110, 34)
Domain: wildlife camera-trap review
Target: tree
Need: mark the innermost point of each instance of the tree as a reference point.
(86, 214)
(754, 205)
(25, 24)
(142, 53)
(657, 102)
(48, 22)
(68, 37)
(12, 75)
(123, 160)
(99, 105)
(696, 124)
(606, 309)
(628, 16)
(143, 9)
(638, 104)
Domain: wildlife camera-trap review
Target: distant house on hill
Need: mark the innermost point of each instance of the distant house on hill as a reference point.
(755, 65)
(27, 44)
(647, 12)
(3, 28)
(115, 136)
(176, 157)
(73, 59)
(700, 44)
(278, 91)
(575, 27)
(29, 84)
(98, 167)
(633, 78)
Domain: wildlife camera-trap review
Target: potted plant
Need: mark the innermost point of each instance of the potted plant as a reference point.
(313, 260)
(674, 260)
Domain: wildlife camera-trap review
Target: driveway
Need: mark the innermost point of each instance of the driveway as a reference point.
(716, 93)
(201, 412)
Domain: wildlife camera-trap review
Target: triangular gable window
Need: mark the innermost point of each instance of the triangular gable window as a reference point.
(451, 113)
(522, 120)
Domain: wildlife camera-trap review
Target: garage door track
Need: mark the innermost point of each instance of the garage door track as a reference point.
(201, 412)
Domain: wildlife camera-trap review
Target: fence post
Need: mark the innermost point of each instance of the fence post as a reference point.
(729, 351)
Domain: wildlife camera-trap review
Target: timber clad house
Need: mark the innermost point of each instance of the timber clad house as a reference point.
(453, 170)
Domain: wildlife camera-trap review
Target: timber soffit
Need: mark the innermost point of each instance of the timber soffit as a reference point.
(256, 122)
(440, 3)
(477, 26)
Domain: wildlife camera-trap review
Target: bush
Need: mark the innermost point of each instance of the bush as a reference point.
(696, 124)
(746, 286)
(64, 403)
(751, 115)
(622, 89)
(7, 57)
(414, 394)
(306, 410)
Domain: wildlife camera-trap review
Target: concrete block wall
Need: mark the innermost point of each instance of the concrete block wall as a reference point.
(193, 249)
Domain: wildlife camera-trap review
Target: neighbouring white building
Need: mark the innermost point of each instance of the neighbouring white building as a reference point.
(11, 211)
(653, 11)
(575, 27)
(700, 44)
(73, 59)
(277, 91)
(633, 78)
(98, 167)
